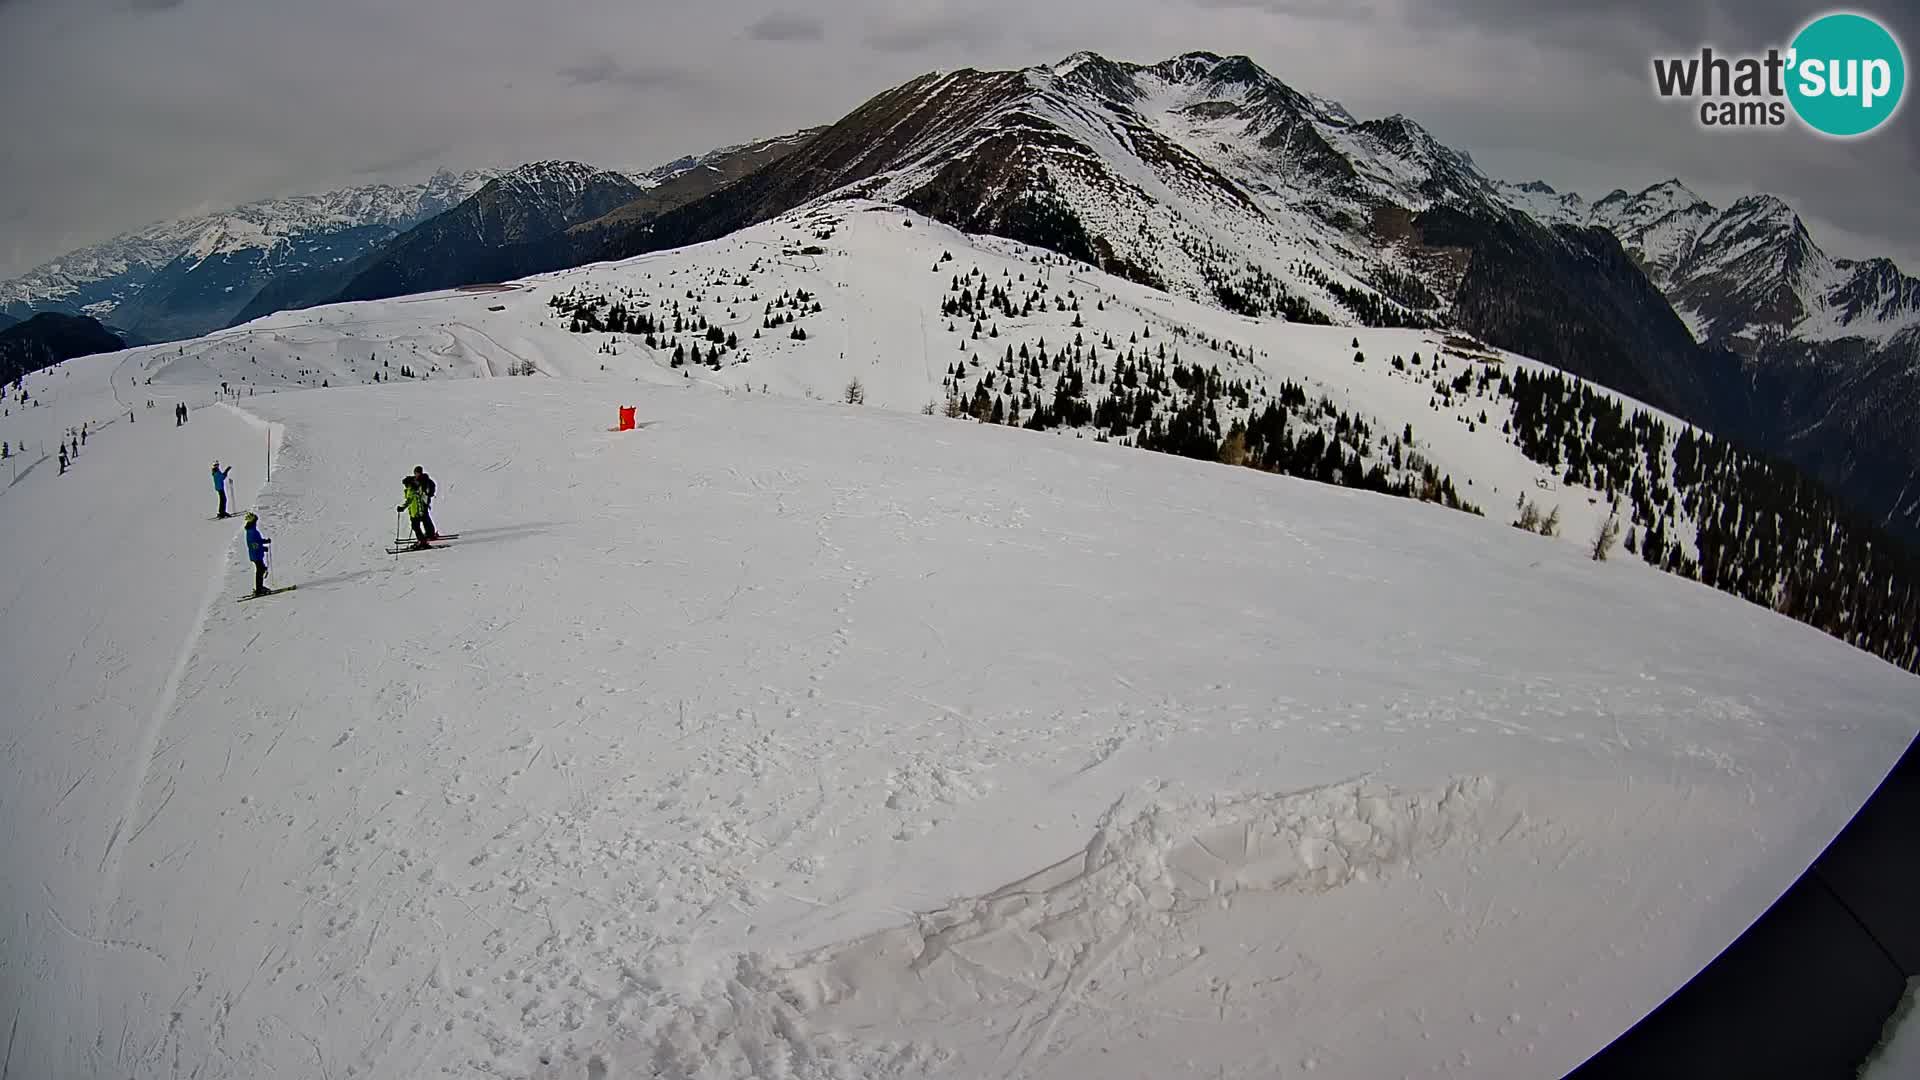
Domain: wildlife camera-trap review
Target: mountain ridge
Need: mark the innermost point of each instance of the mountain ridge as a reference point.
(184, 277)
(518, 221)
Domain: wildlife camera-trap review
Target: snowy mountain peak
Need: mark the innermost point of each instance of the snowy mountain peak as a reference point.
(552, 176)
(1073, 63)
(1761, 211)
(1764, 224)
(1627, 213)
(1671, 193)
(1404, 135)
(1672, 188)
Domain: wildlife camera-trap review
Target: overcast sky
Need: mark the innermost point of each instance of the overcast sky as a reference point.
(123, 112)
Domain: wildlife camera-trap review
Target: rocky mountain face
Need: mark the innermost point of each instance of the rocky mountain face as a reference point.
(1203, 175)
(183, 278)
(456, 248)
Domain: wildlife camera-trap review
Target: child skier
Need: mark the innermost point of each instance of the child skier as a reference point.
(220, 488)
(257, 553)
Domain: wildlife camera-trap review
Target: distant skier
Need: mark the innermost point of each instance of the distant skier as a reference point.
(63, 459)
(220, 488)
(427, 487)
(414, 504)
(257, 553)
(83, 434)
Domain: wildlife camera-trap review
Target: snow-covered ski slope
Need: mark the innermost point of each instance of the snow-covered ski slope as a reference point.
(789, 738)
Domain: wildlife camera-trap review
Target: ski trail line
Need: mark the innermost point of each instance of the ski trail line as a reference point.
(156, 722)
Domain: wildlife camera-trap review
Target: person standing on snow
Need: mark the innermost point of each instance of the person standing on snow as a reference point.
(257, 553)
(427, 487)
(414, 503)
(220, 488)
(63, 459)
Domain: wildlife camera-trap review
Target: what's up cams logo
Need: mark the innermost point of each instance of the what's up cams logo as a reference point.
(1843, 75)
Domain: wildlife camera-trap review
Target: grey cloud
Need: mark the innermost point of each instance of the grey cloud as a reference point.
(1631, 32)
(1340, 10)
(787, 26)
(967, 30)
(155, 5)
(1611, 20)
(604, 70)
(404, 162)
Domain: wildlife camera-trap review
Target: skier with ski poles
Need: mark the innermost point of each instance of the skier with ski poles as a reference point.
(414, 504)
(257, 553)
(220, 488)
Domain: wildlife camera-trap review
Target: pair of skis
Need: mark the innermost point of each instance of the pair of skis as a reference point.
(399, 548)
(403, 544)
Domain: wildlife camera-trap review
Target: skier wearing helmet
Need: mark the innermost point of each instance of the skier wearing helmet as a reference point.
(257, 553)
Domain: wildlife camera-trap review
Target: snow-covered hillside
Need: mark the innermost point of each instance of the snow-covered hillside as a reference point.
(786, 737)
(883, 280)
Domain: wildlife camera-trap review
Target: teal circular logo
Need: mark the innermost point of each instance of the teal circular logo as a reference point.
(1847, 75)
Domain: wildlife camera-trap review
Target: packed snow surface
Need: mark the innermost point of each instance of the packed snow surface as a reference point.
(793, 739)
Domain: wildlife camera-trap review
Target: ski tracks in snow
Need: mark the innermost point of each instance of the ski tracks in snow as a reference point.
(150, 737)
(1149, 923)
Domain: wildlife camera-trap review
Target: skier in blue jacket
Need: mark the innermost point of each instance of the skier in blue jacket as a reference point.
(257, 553)
(220, 488)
